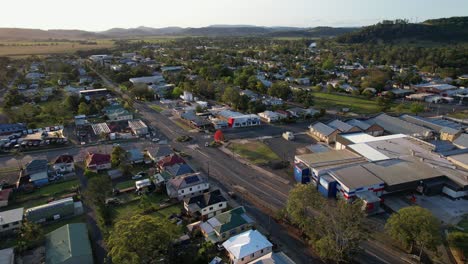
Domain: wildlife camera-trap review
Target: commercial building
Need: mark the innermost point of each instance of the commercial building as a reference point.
(395, 125)
(323, 132)
(236, 119)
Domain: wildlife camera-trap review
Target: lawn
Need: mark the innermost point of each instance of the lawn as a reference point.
(356, 104)
(460, 115)
(76, 219)
(157, 108)
(182, 125)
(254, 151)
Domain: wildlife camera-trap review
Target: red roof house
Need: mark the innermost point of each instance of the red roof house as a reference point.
(97, 161)
(170, 161)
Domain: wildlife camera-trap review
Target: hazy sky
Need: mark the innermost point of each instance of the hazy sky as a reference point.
(98, 15)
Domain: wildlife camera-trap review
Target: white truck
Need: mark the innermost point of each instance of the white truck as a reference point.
(288, 135)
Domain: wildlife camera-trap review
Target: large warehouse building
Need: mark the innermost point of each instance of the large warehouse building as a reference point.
(363, 165)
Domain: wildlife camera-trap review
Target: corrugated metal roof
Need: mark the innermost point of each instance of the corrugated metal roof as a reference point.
(322, 128)
(340, 125)
(398, 126)
(368, 152)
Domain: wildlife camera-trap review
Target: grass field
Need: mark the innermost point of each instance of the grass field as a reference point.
(25, 48)
(358, 105)
(40, 196)
(254, 151)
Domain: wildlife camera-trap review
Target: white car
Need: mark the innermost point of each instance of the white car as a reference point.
(136, 177)
(155, 139)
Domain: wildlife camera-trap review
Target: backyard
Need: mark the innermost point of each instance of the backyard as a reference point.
(254, 151)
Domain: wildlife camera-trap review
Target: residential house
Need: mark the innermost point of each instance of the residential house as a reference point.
(323, 132)
(96, 161)
(158, 153)
(169, 161)
(301, 112)
(227, 224)
(178, 169)
(135, 156)
(273, 258)
(155, 79)
(272, 101)
(253, 96)
(270, 116)
(187, 185)
(206, 205)
(343, 127)
(68, 244)
(371, 129)
(64, 164)
(11, 220)
(56, 210)
(138, 127)
(247, 247)
(36, 172)
(117, 113)
(5, 196)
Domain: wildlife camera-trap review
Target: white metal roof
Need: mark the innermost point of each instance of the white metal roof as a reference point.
(368, 152)
(364, 137)
(10, 216)
(246, 243)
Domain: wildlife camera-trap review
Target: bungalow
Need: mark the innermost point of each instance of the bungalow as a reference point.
(247, 247)
(343, 127)
(138, 127)
(371, 129)
(178, 169)
(227, 224)
(37, 172)
(269, 116)
(169, 161)
(96, 161)
(206, 205)
(323, 132)
(68, 244)
(11, 220)
(64, 164)
(135, 156)
(158, 153)
(186, 186)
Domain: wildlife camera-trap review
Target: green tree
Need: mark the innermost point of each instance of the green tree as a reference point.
(30, 235)
(416, 108)
(280, 90)
(414, 226)
(117, 156)
(140, 239)
(84, 109)
(301, 200)
(337, 238)
(97, 190)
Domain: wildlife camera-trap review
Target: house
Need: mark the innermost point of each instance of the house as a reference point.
(301, 112)
(227, 224)
(96, 161)
(206, 205)
(93, 94)
(68, 244)
(187, 185)
(64, 164)
(158, 153)
(178, 169)
(155, 79)
(371, 129)
(117, 113)
(269, 116)
(187, 96)
(247, 247)
(135, 156)
(5, 196)
(251, 94)
(273, 101)
(7, 256)
(323, 132)
(302, 81)
(56, 210)
(169, 161)
(11, 220)
(343, 127)
(138, 127)
(37, 172)
(273, 258)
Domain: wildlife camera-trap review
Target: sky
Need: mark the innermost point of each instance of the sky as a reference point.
(98, 15)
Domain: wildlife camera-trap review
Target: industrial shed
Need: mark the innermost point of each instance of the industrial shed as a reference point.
(396, 125)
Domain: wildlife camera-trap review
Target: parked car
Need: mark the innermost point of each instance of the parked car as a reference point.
(137, 176)
(155, 139)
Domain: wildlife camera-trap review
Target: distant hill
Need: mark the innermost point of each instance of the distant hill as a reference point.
(20, 34)
(446, 30)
